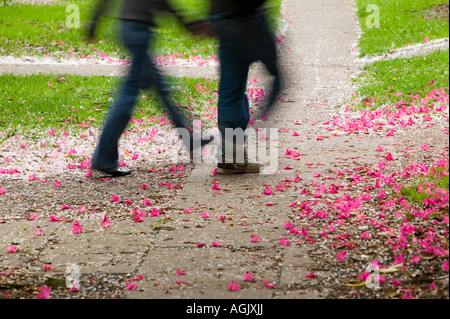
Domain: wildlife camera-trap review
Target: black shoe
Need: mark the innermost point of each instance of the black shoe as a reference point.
(119, 172)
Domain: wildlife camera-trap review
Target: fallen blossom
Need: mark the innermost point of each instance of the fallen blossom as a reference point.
(106, 222)
(248, 276)
(270, 286)
(284, 242)
(37, 232)
(77, 228)
(180, 273)
(131, 286)
(341, 255)
(44, 292)
(48, 267)
(233, 286)
(11, 249)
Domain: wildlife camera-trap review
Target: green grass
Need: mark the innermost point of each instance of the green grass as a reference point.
(30, 103)
(418, 196)
(401, 22)
(31, 30)
(385, 80)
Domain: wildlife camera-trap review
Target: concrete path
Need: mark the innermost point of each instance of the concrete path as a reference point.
(317, 62)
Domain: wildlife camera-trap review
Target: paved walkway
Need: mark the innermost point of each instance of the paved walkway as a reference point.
(314, 75)
(317, 59)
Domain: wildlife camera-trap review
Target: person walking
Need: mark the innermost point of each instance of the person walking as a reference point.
(137, 34)
(244, 35)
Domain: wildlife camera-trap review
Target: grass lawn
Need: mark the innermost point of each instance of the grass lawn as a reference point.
(425, 188)
(42, 102)
(394, 80)
(41, 30)
(401, 22)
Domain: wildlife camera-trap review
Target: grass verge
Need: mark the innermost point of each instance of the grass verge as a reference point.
(39, 102)
(390, 81)
(41, 30)
(400, 22)
(428, 187)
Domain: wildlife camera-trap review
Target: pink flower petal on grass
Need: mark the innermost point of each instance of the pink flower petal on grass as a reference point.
(2, 191)
(255, 238)
(310, 275)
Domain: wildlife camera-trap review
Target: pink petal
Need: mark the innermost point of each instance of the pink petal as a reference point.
(248, 276)
(180, 273)
(44, 292)
(233, 286)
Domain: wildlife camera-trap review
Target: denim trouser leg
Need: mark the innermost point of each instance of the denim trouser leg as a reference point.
(242, 41)
(136, 37)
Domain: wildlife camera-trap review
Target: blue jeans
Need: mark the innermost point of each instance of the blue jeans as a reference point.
(143, 74)
(242, 41)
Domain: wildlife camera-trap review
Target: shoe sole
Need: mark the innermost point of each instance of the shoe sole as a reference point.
(232, 171)
(95, 172)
